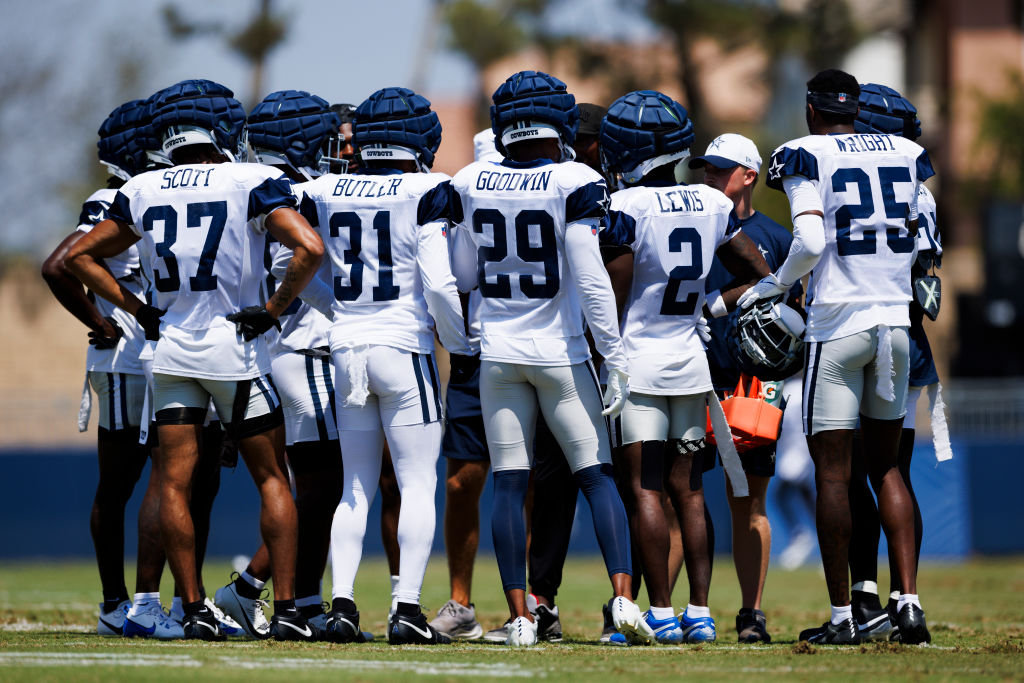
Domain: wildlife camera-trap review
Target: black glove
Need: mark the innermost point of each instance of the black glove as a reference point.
(252, 321)
(102, 341)
(149, 318)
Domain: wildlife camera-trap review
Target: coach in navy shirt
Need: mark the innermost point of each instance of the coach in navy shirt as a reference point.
(731, 164)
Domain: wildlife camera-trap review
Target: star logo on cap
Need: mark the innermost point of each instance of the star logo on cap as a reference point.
(716, 142)
(775, 170)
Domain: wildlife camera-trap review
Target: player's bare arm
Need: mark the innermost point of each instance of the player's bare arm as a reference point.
(69, 290)
(741, 257)
(292, 230)
(84, 261)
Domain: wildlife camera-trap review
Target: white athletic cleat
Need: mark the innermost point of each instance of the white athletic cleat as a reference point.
(630, 622)
(248, 614)
(522, 632)
(112, 623)
(228, 626)
(152, 622)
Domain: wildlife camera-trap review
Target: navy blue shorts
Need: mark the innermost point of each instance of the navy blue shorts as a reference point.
(464, 437)
(922, 365)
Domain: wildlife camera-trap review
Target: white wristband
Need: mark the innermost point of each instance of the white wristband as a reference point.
(716, 304)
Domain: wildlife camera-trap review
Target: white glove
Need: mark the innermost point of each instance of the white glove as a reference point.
(704, 330)
(768, 287)
(616, 394)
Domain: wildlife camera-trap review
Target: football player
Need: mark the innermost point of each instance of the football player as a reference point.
(853, 199)
(531, 227)
(114, 372)
(287, 131)
(340, 157)
(644, 136)
(732, 165)
(385, 232)
(201, 226)
(884, 110)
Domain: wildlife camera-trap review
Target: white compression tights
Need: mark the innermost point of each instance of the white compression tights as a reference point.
(414, 451)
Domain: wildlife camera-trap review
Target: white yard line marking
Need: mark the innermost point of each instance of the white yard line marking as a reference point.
(76, 659)
(23, 626)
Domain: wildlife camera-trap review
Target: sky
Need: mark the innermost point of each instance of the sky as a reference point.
(65, 63)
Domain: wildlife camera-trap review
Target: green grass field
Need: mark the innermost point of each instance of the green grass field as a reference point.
(975, 611)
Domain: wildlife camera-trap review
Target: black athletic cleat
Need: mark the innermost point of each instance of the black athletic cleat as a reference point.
(890, 608)
(549, 626)
(752, 626)
(872, 624)
(343, 627)
(913, 630)
(415, 630)
(832, 634)
(202, 626)
(292, 626)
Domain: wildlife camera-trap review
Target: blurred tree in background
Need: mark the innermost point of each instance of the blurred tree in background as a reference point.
(254, 41)
(1000, 133)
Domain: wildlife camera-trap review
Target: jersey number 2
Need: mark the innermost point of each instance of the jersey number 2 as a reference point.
(670, 304)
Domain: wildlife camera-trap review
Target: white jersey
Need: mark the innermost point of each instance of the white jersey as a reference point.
(126, 269)
(868, 185)
(385, 234)
(928, 238)
(674, 232)
(202, 247)
(302, 326)
(517, 215)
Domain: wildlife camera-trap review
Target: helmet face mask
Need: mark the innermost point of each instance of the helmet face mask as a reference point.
(332, 160)
(643, 131)
(766, 340)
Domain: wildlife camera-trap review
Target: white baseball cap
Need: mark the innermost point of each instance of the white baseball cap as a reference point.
(728, 150)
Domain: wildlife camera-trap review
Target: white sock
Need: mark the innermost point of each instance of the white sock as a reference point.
(142, 600)
(866, 587)
(253, 581)
(394, 584)
(693, 611)
(662, 613)
(841, 614)
(309, 600)
(414, 451)
(895, 595)
(908, 598)
(363, 450)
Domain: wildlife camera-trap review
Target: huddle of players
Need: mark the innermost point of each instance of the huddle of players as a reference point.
(358, 360)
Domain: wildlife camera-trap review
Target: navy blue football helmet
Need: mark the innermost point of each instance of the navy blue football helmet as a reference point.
(396, 123)
(643, 130)
(198, 111)
(533, 97)
(118, 147)
(288, 128)
(883, 110)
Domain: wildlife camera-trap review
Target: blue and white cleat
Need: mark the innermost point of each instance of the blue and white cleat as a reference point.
(609, 636)
(152, 622)
(666, 631)
(112, 623)
(697, 629)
